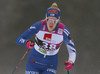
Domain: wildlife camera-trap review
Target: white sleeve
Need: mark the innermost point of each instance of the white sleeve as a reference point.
(72, 51)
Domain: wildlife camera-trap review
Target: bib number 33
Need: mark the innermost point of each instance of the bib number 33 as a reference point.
(47, 47)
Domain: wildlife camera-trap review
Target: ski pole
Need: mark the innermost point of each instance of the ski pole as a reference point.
(20, 61)
(67, 71)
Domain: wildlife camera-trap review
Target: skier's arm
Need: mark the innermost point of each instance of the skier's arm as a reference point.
(28, 33)
(70, 46)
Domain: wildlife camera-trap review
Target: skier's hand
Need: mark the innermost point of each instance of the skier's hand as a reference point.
(29, 44)
(68, 65)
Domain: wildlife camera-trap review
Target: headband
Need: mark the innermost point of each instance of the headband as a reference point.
(53, 13)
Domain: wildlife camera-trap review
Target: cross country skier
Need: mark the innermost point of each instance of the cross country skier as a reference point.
(49, 35)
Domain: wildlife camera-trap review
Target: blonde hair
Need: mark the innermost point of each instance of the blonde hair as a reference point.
(54, 6)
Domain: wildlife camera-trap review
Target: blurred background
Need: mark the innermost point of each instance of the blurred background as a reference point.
(81, 17)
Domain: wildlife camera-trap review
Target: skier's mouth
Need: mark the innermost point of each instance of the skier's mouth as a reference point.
(51, 26)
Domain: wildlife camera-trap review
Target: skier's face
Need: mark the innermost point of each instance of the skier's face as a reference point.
(51, 23)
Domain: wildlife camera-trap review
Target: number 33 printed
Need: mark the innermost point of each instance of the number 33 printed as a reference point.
(46, 46)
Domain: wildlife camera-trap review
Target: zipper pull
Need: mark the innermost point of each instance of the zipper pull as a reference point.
(44, 56)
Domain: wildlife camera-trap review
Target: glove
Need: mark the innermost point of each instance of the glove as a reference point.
(29, 44)
(68, 65)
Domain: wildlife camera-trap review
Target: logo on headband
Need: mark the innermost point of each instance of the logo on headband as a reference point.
(53, 11)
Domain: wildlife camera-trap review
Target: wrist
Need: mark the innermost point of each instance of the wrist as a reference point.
(70, 61)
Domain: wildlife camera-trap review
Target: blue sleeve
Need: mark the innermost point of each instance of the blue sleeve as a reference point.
(28, 33)
(66, 36)
(70, 45)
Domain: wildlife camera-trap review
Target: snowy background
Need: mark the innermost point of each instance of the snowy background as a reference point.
(81, 17)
